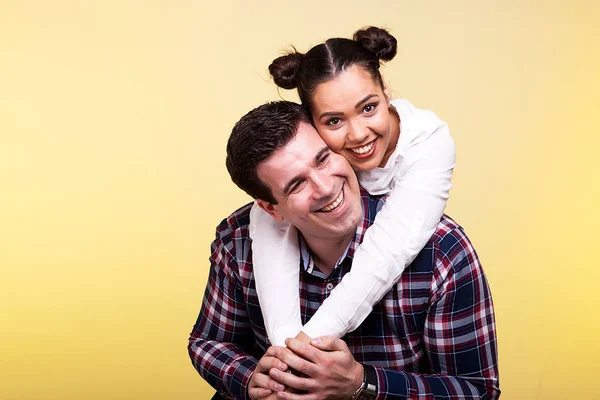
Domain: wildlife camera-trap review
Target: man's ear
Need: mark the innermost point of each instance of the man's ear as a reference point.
(270, 209)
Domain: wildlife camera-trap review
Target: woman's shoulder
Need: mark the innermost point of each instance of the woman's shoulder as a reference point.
(417, 120)
(403, 106)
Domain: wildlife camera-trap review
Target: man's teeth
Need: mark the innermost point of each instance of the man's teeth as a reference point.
(364, 149)
(336, 203)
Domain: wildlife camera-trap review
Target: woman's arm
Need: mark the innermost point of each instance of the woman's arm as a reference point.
(275, 262)
(399, 232)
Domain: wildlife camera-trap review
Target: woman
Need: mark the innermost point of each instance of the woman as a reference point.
(393, 147)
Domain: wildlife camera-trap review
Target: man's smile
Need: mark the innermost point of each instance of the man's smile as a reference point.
(335, 204)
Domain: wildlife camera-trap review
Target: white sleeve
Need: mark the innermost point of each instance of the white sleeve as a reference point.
(400, 231)
(275, 261)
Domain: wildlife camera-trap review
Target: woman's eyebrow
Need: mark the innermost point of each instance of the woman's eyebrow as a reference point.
(331, 114)
(367, 97)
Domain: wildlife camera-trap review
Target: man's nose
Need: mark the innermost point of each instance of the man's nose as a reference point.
(323, 184)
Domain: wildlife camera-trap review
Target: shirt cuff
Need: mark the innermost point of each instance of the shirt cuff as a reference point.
(239, 379)
(322, 324)
(390, 385)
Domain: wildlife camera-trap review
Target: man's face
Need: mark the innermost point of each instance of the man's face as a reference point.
(315, 188)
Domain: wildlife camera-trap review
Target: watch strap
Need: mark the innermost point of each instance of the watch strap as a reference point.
(369, 388)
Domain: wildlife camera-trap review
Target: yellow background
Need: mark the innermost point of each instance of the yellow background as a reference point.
(113, 122)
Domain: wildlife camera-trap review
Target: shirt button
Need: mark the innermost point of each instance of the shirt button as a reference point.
(329, 286)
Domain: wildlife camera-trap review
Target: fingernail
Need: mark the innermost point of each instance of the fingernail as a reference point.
(316, 341)
(282, 366)
(274, 372)
(279, 387)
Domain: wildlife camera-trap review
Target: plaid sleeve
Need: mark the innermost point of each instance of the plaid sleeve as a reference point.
(459, 333)
(219, 343)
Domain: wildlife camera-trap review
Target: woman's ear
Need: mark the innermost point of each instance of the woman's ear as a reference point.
(270, 209)
(388, 93)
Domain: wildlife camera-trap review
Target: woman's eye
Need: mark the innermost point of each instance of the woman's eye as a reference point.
(333, 121)
(369, 108)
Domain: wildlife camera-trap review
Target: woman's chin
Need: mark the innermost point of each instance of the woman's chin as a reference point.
(364, 165)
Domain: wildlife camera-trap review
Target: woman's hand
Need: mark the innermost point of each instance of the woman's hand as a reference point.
(329, 370)
(262, 385)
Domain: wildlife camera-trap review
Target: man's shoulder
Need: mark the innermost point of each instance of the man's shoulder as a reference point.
(455, 254)
(446, 249)
(235, 226)
(231, 249)
(446, 231)
(449, 237)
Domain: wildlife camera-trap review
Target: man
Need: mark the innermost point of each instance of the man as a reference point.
(433, 335)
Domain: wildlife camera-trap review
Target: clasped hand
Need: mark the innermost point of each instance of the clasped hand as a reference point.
(325, 370)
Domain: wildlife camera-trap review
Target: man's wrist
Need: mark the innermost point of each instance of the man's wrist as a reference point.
(368, 389)
(360, 379)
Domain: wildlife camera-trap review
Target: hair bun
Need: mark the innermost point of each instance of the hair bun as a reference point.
(378, 41)
(284, 69)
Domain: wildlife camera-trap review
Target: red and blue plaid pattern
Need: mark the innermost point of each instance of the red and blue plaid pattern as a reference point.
(432, 336)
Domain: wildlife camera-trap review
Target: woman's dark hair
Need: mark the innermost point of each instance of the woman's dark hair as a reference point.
(327, 60)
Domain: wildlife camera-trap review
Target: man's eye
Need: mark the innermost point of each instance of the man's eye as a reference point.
(324, 159)
(296, 188)
(333, 121)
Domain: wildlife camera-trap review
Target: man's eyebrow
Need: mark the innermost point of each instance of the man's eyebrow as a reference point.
(338, 113)
(288, 187)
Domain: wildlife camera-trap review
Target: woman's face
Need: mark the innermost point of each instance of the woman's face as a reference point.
(352, 114)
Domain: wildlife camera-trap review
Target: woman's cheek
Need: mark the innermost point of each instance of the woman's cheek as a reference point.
(330, 140)
(386, 123)
(333, 138)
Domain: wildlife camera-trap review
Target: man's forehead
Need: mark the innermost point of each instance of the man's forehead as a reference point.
(288, 161)
(304, 145)
(306, 130)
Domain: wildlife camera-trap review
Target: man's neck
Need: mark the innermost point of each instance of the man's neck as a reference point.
(327, 252)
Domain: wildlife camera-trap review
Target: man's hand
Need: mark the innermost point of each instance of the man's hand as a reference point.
(331, 370)
(261, 385)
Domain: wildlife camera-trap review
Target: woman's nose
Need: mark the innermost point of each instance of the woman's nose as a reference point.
(357, 133)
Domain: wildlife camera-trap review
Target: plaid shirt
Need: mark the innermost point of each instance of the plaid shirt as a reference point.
(432, 336)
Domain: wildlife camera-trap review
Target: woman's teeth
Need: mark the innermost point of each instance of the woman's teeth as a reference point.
(336, 203)
(364, 149)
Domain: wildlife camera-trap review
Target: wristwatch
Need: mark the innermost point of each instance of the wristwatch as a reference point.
(368, 389)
